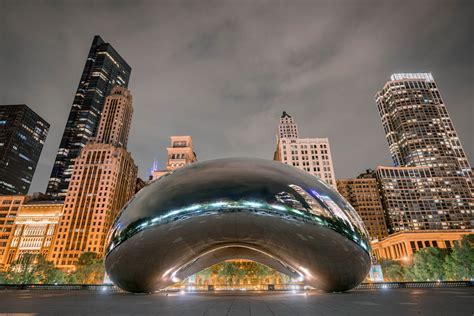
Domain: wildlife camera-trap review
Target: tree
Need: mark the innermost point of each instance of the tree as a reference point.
(32, 268)
(393, 270)
(428, 264)
(228, 270)
(459, 265)
(3, 279)
(89, 269)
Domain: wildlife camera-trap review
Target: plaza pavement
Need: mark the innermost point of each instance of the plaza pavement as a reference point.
(448, 301)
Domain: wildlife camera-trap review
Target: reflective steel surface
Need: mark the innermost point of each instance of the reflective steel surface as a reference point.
(235, 208)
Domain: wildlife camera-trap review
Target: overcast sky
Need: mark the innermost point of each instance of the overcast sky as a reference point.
(223, 71)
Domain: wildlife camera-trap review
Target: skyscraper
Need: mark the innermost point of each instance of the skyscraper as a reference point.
(430, 186)
(9, 207)
(103, 70)
(22, 136)
(312, 155)
(116, 118)
(103, 180)
(179, 154)
(363, 194)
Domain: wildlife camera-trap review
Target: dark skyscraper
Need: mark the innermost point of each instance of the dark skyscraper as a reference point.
(22, 136)
(104, 69)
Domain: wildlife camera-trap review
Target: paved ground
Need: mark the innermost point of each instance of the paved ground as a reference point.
(459, 301)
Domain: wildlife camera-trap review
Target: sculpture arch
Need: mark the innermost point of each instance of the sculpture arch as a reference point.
(237, 208)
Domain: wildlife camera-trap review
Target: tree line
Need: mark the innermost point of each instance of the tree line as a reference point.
(429, 264)
(433, 264)
(33, 268)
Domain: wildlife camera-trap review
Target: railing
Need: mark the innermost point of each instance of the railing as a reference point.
(62, 287)
(276, 287)
(414, 285)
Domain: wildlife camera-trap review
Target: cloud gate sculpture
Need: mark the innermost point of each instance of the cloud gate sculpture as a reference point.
(241, 208)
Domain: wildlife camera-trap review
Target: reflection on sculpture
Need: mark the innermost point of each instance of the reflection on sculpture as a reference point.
(238, 208)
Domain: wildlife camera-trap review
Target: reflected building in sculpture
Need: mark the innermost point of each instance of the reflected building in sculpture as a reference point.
(240, 208)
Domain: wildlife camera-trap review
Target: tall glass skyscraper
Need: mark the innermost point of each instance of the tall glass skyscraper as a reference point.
(426, 152)
(22, 136)
(103, 70)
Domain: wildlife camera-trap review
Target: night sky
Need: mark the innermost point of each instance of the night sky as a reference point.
(223, 71)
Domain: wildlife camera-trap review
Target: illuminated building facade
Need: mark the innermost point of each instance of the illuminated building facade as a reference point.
(363, 194)
(103, 180)
(34, 228)
(9, 207)
(116, 119)
(431, 184)
(22, 136)
(402, 245)
(312, 155)
(179, 154)
(103, 70)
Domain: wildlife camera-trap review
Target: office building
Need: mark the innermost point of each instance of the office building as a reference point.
(363, 194)
(430, 186)
(103, 181)
(9, 207)
(312, 155)
(34, 228)
(179, 154)
(116, 119)
(22, 136)
(103, 70)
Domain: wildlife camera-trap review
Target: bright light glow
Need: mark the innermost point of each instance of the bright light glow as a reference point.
(296, 211)
(218, 204)
(193, 207)
(174, 278)
(253, 204)
(278, 207)
(167, 272)
(305, 271)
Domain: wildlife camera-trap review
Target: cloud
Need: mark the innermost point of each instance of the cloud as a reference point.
(223, 71)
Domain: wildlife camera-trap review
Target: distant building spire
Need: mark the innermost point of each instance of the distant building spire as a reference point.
(154, 167)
